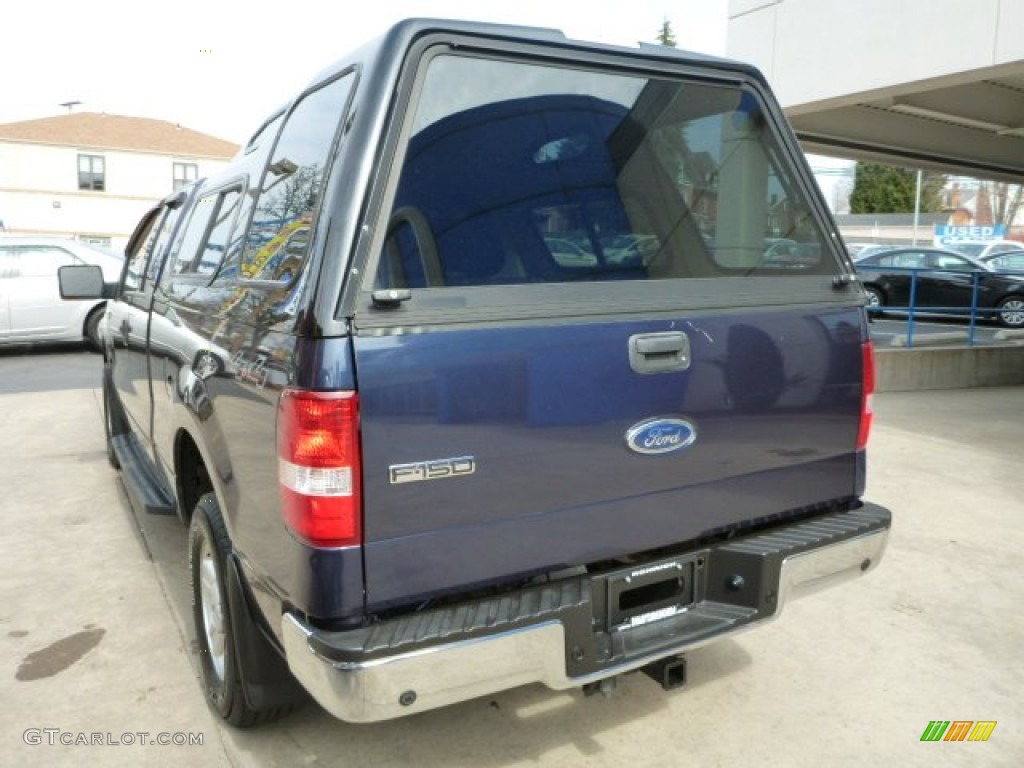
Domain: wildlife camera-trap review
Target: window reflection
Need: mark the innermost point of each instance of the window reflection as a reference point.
(278, 240)
(523, 173)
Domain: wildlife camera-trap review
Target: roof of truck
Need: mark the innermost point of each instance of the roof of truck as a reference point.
(401, 35)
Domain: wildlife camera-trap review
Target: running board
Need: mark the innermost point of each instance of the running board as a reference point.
(145, 492)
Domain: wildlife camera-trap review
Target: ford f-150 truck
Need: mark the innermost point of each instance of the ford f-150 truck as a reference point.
(493, 358)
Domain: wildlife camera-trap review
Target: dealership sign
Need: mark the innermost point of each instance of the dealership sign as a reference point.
(947, 233)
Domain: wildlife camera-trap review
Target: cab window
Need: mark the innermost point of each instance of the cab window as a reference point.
(201, 249)
(278, 240)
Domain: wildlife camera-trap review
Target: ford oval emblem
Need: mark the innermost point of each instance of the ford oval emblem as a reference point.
(657, 436)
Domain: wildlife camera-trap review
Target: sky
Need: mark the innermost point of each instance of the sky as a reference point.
(221, 66)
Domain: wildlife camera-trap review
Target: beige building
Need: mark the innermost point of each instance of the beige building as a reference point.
(91, 176)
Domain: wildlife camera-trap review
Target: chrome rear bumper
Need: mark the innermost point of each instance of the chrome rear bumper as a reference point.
(807, 556)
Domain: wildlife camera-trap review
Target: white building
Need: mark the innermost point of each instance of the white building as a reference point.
(91, 176)
(922, 83)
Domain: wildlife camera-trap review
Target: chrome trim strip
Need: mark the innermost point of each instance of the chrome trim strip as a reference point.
(387, 688)
(375, 690)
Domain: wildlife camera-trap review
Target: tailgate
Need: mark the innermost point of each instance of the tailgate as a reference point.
(497, 452)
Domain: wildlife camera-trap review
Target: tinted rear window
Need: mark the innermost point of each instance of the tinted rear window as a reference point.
(525, 173)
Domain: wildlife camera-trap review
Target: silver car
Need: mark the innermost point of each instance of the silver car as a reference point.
(1008, 261)
(982, 249)
(31, 308)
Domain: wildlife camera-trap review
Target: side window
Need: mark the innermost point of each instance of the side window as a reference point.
(278, 241)
(42, 261)
(211, 255)
(201, 249)
(1010, 261)
(952, 263)
(184, 256)
(144, 263)
(135, 271)
(909, 260)
(250, 165)
(7, 263)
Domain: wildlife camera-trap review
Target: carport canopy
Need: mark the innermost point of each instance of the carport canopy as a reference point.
(973, 125)
(935, 84)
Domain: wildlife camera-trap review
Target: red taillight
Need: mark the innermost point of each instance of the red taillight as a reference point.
(867, 392)
(319, 466)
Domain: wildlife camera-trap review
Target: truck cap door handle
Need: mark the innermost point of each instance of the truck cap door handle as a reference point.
(659, 352)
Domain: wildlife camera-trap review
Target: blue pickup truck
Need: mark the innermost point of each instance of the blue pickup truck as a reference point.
(493, 358)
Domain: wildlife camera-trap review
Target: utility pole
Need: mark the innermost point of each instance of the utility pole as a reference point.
(917, 205)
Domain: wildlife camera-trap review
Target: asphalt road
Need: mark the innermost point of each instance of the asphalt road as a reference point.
(44, 368)
(96, 634)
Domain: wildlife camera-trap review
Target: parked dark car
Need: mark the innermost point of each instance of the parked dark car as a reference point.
(945, 284)
(494, 358)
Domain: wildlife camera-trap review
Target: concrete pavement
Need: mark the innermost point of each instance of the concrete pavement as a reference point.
(95, 632)
(86, 638)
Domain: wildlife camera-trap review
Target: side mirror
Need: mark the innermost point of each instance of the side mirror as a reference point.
(81, 281)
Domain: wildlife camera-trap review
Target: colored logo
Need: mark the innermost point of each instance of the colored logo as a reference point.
(658, 436)
(958, 730)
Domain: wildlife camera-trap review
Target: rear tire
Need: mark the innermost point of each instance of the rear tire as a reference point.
(209, 548)
(1011, 311)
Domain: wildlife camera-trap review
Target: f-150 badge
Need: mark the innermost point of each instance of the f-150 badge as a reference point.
(658, 436)
(431, 470)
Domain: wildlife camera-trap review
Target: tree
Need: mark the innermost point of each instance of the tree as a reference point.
(295, 194)
(882, 188)
(1005, 200)
(665, 35)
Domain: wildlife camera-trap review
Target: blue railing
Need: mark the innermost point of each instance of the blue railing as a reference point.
(972, 312)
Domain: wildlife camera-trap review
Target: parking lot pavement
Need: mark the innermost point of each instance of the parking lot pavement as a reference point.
(88, 645)
(42, 368)
(96, 635)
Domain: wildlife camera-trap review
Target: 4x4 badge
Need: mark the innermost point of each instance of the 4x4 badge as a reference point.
(658, 436)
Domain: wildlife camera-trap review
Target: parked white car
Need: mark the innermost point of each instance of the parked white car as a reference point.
(1008, 261)
(31, 309)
